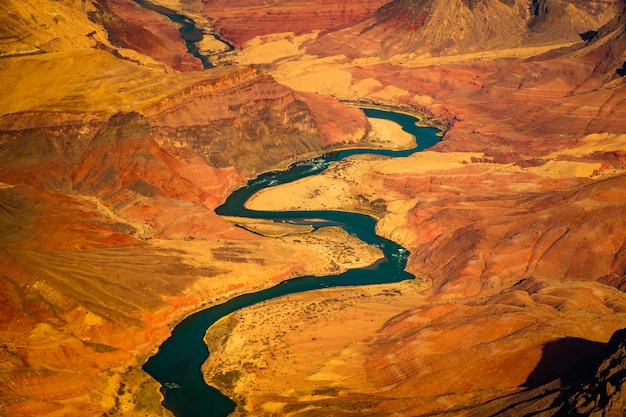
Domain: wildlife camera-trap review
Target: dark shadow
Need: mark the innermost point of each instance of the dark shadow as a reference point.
(589, 35)
(622, 71)
(571, 369)
(569, 357)
(587, 380)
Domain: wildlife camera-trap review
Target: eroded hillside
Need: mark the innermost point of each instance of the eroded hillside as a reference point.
(514, 221)
(116, 146)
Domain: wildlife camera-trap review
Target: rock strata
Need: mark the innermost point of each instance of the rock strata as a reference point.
(113, 156)
(513, 221)
(114, 152)
(460, 26)
(239, 21)
(129, 25)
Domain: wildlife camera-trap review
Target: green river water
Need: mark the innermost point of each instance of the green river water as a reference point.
(177, 364)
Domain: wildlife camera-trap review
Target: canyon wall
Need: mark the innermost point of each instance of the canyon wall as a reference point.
(462, 26)
(513, 222)
(115, 149)
(239, 21)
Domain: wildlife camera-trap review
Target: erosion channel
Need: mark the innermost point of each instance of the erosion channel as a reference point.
(177, 364)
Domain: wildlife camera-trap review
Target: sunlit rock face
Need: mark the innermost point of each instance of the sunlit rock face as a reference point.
(115, 148)
(536, 227)
(466, 26)
(549, 101)
(513, 223)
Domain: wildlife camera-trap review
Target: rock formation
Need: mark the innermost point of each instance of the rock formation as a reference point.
(535, 127)
(240, 20)
(466, 26)
(129, 25)
(116, 147)
(596, 386)
(114, 154)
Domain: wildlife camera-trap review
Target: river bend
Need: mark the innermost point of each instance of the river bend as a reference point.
(177, 364)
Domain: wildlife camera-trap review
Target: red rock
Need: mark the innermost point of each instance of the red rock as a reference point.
(336, 124)
(239, 21)
(132, 26)
(526, 257)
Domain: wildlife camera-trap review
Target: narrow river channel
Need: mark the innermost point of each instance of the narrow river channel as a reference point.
(177, 364)
(190, 33)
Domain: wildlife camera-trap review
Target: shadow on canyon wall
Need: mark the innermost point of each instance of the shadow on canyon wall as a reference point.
(586, 377)
(589, 35)
(569, 358)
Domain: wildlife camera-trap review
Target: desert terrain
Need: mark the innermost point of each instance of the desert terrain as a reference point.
(117, 145)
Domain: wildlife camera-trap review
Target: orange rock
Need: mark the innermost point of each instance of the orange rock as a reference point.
(518, 253)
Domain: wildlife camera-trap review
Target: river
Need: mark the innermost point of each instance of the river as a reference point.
(177, 364)
(189, 31)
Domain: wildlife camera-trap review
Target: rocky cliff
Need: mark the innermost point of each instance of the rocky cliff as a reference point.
(241, 20)
(115, 149)
(513, 221)
(593, 387)
(465, 26)
(130, 25)
(114, 152)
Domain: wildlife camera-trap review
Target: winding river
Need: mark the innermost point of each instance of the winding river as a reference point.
(177, 364)
(190, 33)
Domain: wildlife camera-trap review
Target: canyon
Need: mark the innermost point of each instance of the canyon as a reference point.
(117, 146)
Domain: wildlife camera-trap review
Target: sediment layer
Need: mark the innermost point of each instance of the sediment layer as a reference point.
(116, 148)
(513, 221)
(114, 154)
